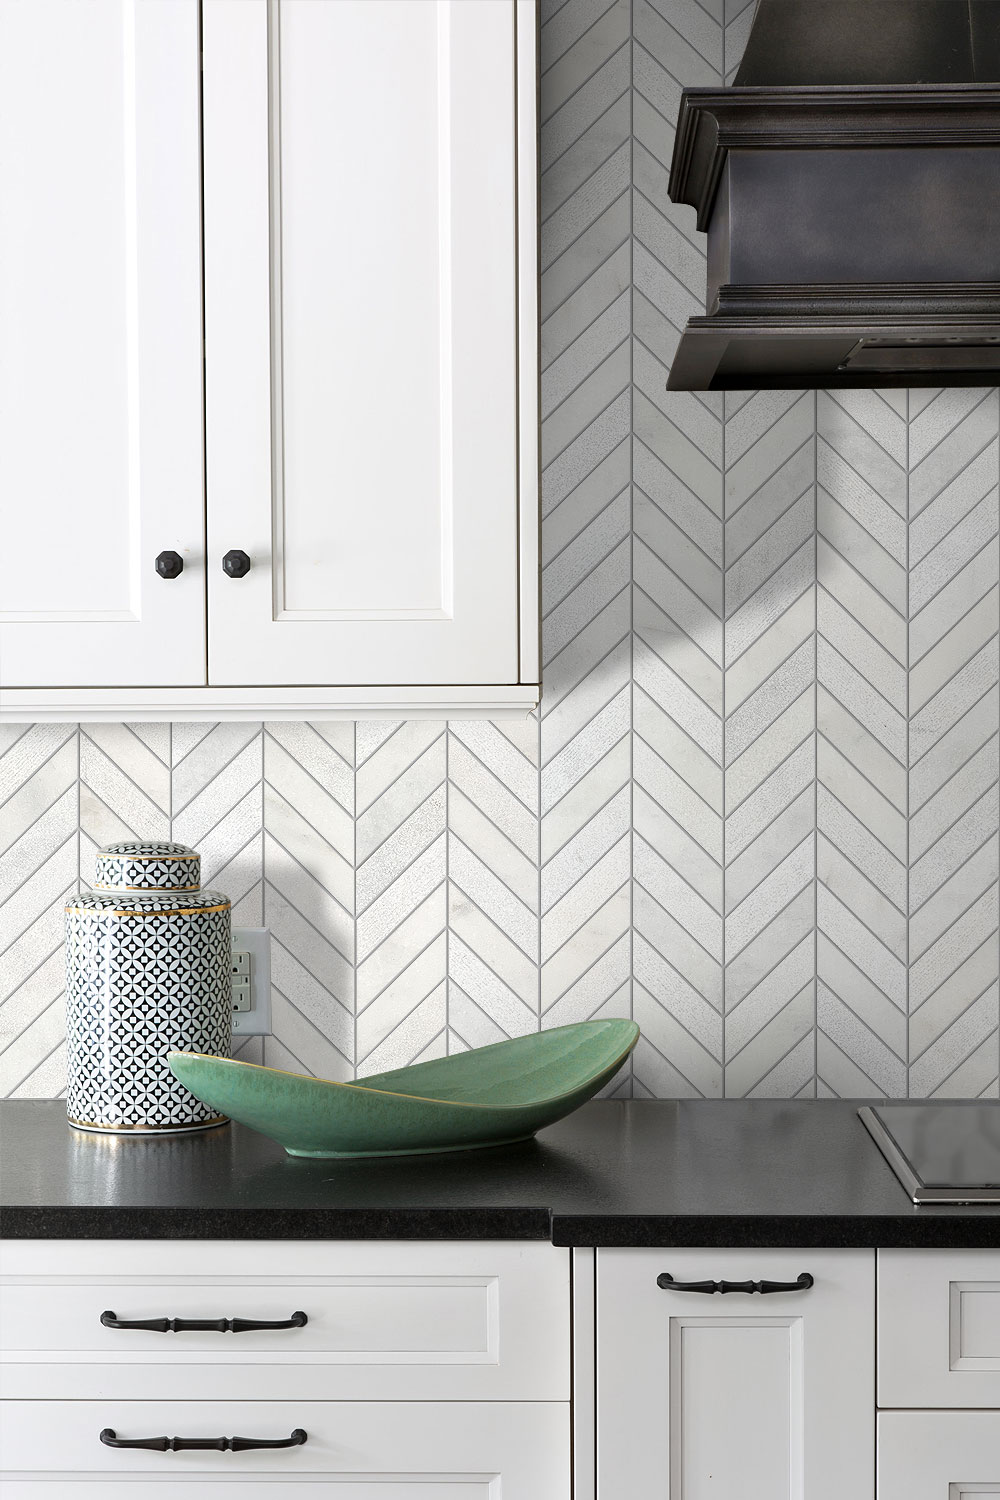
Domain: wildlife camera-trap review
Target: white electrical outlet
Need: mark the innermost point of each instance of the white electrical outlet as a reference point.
(251, 981)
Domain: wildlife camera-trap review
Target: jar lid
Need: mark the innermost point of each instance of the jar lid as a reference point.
(142, 866)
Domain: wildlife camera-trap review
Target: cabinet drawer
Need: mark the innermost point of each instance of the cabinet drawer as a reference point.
(473, 1450)
(710, 1397)
(386, 1320)
(939, 1328)
(938, 1455)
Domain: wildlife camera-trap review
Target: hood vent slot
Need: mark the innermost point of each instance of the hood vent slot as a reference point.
(849, 184)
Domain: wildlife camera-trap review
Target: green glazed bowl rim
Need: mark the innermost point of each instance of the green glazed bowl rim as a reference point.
(360, 1086)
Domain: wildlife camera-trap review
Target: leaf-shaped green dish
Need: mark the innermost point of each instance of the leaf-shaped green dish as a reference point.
(487, 1097)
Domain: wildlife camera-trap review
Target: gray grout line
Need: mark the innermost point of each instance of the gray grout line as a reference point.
(631, 511)
(909, 756)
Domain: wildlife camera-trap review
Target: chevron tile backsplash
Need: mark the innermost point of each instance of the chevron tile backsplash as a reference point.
(758, 809)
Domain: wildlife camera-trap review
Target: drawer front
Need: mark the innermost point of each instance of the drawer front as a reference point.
(708, 1397)
(386, 1320)
(939, 1328)
(938, 1455)
(474, 1451)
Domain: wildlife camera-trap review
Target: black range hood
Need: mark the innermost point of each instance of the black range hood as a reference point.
(849, 183)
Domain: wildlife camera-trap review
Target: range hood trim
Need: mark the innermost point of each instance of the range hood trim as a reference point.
(849, 183)
(711, 122)
(706, 341)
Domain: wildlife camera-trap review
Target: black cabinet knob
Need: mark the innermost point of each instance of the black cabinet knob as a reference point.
(169, 564)
(236, 564)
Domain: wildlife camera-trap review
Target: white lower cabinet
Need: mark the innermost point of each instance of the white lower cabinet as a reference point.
(735, 1395)
(444, 1371)
(434, 1370)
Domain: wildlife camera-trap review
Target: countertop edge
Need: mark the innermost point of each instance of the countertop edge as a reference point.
(957, 1231)
(120, 1223)
(951, 1230)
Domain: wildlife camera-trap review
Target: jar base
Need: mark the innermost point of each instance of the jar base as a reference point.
(92, 1127)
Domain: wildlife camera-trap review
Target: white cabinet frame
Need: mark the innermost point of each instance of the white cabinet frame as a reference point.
(515, 697)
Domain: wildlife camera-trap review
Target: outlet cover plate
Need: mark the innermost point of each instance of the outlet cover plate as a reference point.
(257, 1020)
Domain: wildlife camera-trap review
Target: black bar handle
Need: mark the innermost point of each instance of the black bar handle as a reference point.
(201, 1325)
(800, 1284)
(110, 1439)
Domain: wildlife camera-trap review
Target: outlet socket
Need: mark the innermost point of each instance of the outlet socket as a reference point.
(251, 981)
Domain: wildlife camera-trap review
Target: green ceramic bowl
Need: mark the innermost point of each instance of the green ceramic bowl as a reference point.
(487, 1097)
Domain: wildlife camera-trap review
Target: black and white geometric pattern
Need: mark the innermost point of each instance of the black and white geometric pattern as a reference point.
(136, 866)
(146, 901)
(140, 986)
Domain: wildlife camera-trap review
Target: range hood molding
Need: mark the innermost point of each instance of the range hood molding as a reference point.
(849, 225)
(713, 122)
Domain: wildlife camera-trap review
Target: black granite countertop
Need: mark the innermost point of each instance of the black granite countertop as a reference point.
(695, 1173)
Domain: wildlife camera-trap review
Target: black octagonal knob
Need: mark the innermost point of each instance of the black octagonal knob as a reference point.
(236, 564)
(169, 564)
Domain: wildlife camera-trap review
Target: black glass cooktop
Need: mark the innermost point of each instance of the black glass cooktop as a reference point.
(947, 1152)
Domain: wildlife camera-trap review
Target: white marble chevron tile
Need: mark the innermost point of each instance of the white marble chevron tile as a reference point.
(308, 899)
(677, 596)
(770, 743)
(124, 785)
(861, 795)
(217, 790)
(952, 686)
(492, 882)
(582, 852)
(39, 865)
(401, 894)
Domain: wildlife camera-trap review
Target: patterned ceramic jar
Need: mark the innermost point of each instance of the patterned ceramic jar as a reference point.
(148, 972)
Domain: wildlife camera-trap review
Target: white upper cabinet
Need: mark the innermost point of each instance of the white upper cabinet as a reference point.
(368, 175)
(100, 344)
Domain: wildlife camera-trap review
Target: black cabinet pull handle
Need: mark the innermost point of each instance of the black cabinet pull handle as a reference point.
(800, 1284)
(236, 564)
(202, 1325)
(169, 564)
(110, 1439)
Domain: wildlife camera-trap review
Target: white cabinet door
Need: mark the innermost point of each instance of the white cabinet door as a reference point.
(735, 1397)
(100, 356)
(423, 1450)
(939, 1328)
(939, 1455)
(362, 298)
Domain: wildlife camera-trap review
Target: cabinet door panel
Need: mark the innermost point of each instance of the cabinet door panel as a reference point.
(939, 1455)
(736, 1397)
(939, 1328)
(386, 1321)
(100, 360)
(361, 314)
(396, 1449)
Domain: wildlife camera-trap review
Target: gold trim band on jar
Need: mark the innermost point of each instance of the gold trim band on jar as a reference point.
(125, 1128)
(111, 911)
